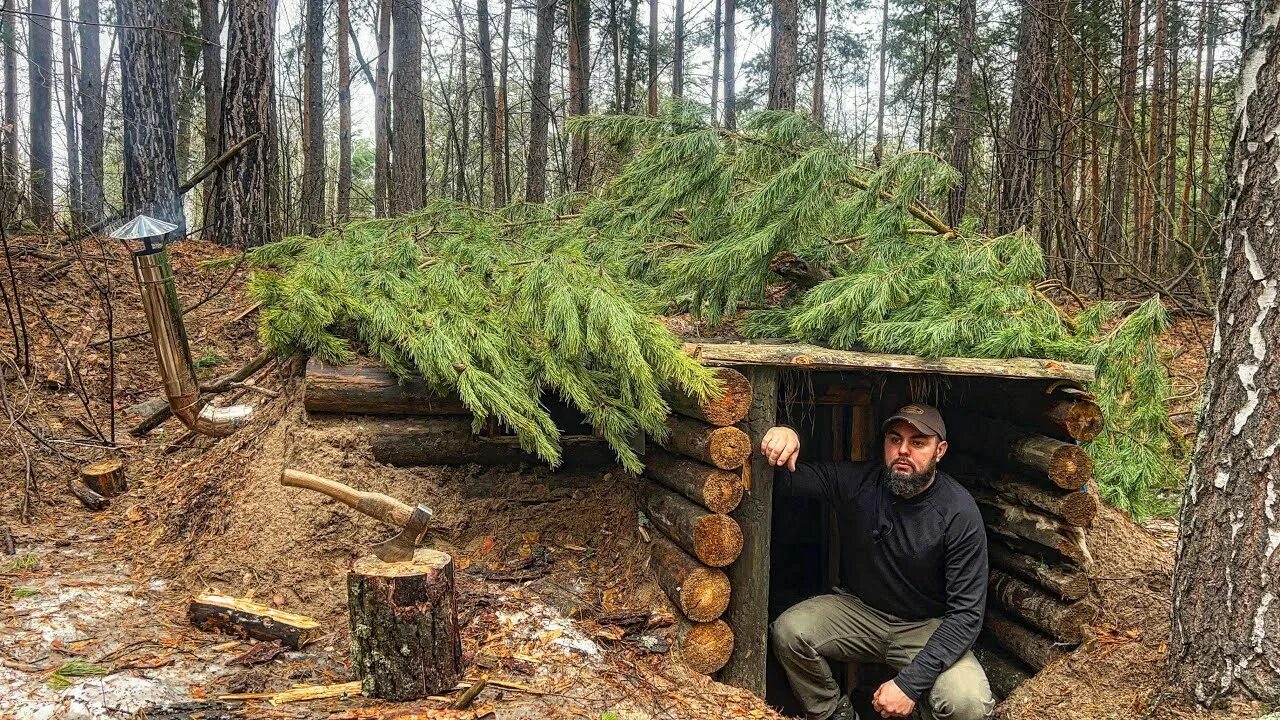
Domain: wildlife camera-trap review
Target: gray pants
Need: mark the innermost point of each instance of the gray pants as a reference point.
(843, 628)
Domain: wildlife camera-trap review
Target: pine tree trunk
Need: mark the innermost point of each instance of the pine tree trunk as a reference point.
(461, 190)
(40, 117)
(1121, 160)
(243, 210)
(406, 109)
(716, 50)
(540, 116)
(579, 22)
(962, 110)
(10, 198)
(69, 72)
(313, 140)
(1169, 158)
(878, 150)
(1149, 226)
(150, 156)
(784, 66)
(1019, 158)
(730, 40)
(1193, 130)
(91, 114)
(491, 104)
(382, 114)
(1225, 621)
(344, 112)
(677, 62)
(820, 65)
(211, 80)
(633, 47)
(185, 106)
(1206, 212)
(653, 57)
(504, 139)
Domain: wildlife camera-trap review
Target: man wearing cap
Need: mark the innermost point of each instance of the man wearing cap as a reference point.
(913, 574)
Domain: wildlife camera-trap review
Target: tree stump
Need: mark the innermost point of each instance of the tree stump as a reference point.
(105, 477)
(404, 626)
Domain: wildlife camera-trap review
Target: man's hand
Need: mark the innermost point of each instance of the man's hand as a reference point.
(781, 446)
(890, 701)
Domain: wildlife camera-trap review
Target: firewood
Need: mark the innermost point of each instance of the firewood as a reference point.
(405, 643)
(1066, 582)
(449, 441)
(1016, 521)
(1076, 507)
(1041, 458)
(372, 390)
(87, 497)
(705, 647)
(724, 447)
(728, 408)
(1004, 674)
(700, 592)
(1029, 646)
(59, 375)
(713, 538)
(716, 490)
(1067, 622)
(218, 613)
(105, 477)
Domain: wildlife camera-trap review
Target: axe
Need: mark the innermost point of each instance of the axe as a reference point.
(412, 520)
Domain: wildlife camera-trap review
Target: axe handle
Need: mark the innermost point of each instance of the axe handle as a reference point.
(375, 505)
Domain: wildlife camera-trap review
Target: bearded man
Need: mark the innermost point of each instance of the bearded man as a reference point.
(913, 577)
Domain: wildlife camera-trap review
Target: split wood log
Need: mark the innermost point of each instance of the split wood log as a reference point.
(1039, 457)
(1076, 507)
(712, 538)
(372, 390)
(105, 477)
(1067, 622)
(405, 643)
(1029, 646)
(87, 497)
(714, 489)
(700, 592)
(729, 408)
(724, 447)
(705, 647)
(1004, 674)
(1067, 582)
(1046, 531)
(449, 441)
(236, 616)
(59, 375)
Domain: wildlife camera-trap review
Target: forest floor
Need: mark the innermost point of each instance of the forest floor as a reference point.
(111, 588)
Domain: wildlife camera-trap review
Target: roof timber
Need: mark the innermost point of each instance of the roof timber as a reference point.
(815, 357)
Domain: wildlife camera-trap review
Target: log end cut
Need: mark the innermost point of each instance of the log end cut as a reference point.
(1070, 467)
(704, 595)
(1083, 420)
(717, 540)
(1079, 508)
(729, 448)
(706, 647)
(728, 408)
(722, 491)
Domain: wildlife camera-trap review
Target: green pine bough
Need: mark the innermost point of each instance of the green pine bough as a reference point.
(504, 306)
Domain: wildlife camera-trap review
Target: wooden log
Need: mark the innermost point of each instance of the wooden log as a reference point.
(729, 408)
(87, 497)
(1042, 458)
(1029, 646)
(372, 390)
(705, 647)
(1004, 673)
(712, 538)
(105, 477)
(1067, 622)
(724, 447)
(748, 611)
(236, 616)
(700, 592)
(1076, 507)
(1067, 582)
(59, 376)
(449, 441)
(1060, 410)
(714, 489)
(405, 643)
(1049, 532)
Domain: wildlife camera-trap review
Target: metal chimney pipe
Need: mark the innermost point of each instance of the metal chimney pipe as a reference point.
(169, 337)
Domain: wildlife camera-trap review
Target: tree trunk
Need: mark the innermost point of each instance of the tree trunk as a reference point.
(1004, 674)
(491, 114)
(503, 111)
(540, 116)
(185, 106)
(150, 156)
(462, 136)
(10, 199)
(1149, 230)
(1019, 160)
(211, 81)
(962, 111)
(1193, 129)
(1225, 623)
(633, 48)
(382, 115)
(105, 477)
(344, 112)
(1047, 461)
(1020, 524)
(730, 40)
(1206, 185)
(236, 616)
(244, 206)
(372, 390)
(699, 592)
(69, 72)
(784, 66)
(313, 140)
(820, 66)
(653, 57)
(878, 150)
(716, 50)
(40, 117)
(449, 441)
(406, 109)
(677, 61)
(1121, 161)
(579, 87)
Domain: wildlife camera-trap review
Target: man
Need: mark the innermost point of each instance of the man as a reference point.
(913, 573)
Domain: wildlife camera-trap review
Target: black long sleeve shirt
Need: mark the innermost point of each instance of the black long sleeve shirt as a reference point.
(918, 558)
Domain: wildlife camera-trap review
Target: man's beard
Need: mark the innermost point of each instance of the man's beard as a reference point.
(908, 485)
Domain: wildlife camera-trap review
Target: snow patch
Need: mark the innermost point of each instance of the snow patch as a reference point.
(541, 623)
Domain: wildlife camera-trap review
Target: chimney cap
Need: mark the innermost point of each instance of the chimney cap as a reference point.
(143, 227)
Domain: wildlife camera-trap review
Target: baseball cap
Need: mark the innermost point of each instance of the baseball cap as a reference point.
(924, 418)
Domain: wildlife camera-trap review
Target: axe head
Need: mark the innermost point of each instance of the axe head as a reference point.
(400, 547)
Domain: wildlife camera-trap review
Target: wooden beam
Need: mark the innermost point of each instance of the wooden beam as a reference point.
(813, 357)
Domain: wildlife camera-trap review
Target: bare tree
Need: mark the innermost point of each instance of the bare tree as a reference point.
(11, 194)
(69, 72)
(91, 113)
(40, 81)
(313, 140)
(820, 65)
(677, 62)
